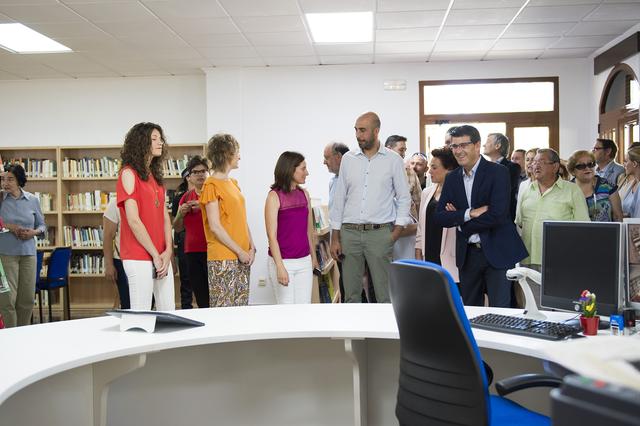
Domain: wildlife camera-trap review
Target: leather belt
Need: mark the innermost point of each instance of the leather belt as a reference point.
(366, 226)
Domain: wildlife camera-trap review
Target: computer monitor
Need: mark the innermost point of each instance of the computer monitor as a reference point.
(582, 255)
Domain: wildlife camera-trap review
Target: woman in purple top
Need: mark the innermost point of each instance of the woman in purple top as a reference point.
(287, 216)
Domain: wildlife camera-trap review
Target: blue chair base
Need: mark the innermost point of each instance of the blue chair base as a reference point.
(506, 412)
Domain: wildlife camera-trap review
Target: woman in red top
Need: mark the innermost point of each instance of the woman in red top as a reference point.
(146, 247)
(189, 218)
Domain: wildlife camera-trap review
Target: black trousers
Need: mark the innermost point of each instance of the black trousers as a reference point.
(186, 294)
(478, 277)
(197, 267)
(123, 284)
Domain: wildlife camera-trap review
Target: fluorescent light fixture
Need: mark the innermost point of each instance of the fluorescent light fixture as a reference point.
(20, 39)
(349, 27)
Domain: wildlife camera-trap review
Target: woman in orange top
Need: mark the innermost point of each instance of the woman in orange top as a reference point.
(230, 249)
(146, 247)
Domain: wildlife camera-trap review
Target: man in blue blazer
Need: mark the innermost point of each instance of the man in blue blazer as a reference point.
(476, 199)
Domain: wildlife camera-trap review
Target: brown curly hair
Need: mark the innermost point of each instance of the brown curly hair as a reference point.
(137, 148)
(220, 150)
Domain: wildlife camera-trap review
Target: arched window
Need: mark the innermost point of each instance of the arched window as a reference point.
(619, 108)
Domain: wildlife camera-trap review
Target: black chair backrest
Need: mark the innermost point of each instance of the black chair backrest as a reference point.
(442, 381)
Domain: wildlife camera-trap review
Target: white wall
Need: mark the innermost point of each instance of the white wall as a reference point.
(100, 111)
(271, 110)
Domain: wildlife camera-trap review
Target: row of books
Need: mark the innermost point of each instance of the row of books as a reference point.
(90, 167)
(323, 253)
(87, 264)
(175, 166)
(47, 239)
(83, 236)
(89, 201)
(34, 167)
(46, 201)
(320, 217)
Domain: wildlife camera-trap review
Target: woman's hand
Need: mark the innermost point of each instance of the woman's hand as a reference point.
(283, 275)
(244, 258)
(184, 209)
(165, 257)
(110, 272)
(315, 264)
(252, 255)
(26, 234)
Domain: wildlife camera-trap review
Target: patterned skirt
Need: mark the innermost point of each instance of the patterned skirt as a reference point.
(228, 283)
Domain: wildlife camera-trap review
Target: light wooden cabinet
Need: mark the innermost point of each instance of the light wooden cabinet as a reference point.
(67, 175)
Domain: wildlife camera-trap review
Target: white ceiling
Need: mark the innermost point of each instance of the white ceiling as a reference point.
(113, 38)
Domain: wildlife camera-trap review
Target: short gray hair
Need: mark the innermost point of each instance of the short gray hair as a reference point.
(551, 153)
(503, 141)
(339, 148)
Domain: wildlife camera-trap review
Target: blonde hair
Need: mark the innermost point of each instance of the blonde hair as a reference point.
(220, 150)
(573, 160)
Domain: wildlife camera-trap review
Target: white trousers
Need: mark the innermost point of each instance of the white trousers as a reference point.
(300, 280)
(142, 286)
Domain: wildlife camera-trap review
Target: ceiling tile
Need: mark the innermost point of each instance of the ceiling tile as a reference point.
(407, 34)
(185, 71)
(333, 6)
(610, 12)
(270, 24)
(537, 30)
(409, 19)
(284, 38)
(159, 40)
(391, 48)
(534, 15)
(93, 44)
(71, 63)
(567, 53)
(283, 51)
(67, 29)
(260, 7)
(343, 60)
(487, 4)
(411, 5)
(471, 32)
(456, 56)
(27, 66)
(203, 26)
(144, 73)
(292, 61)
(513, 54)
(8, 76)
(561, 2)
(463, 45)
(239, 62)
(215, 40)
(28, 14)
(481, 16)
(5, 19)
(344, 49)
(538, 43)
(580, 42)
(174, 55)
(228, 52)
(601, 28)
(132, 29)
(186, 9)
(113, 12)
(404, 57)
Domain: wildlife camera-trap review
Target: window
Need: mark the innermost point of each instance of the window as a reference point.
(524, 109)
(619, 108)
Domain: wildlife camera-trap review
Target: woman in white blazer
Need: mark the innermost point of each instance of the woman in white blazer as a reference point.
(434, 243)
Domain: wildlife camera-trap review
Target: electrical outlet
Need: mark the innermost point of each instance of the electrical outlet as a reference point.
(262, 281)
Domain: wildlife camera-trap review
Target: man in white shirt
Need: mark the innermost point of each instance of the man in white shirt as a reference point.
(333, 153)
(114, 270)
(605, 151)
(364, 217)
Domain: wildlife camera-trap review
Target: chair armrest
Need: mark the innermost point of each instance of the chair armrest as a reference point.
(488, 371)
(526, 381)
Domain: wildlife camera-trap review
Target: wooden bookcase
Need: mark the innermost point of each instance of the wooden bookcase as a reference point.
(328, 266)
(91, 293)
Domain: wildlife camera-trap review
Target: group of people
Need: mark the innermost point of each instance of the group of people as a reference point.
(475, 216)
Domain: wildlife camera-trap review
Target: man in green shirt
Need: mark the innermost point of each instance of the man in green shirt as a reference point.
(548, 198)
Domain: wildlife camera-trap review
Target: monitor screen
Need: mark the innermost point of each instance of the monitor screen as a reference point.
(578, 256)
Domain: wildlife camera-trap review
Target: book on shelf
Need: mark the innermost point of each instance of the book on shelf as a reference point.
(34, 167)
(89, 201)
(175, 166)
(320, 217)
(323, 253)
(87, 264)
(47, 239)
(83, 236)
(104, 167)
(46, 201)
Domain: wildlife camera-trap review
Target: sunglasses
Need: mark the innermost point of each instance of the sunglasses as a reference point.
(582, 166)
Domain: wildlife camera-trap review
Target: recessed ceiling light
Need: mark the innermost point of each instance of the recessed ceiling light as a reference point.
(17, 38)
(349, 27)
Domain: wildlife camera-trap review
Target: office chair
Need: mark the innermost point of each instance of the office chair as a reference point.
(57, 277)
(442, 375)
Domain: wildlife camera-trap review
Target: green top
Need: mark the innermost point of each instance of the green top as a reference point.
(563, 201)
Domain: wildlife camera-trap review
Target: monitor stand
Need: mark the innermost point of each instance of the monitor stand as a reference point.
(521, 274)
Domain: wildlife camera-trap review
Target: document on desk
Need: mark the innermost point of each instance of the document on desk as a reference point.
(607, 358)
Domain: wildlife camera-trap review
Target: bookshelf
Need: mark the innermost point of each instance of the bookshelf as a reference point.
(74, 185)
(325, 288)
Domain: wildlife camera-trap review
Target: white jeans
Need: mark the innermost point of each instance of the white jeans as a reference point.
(142, 286)
(300, 280)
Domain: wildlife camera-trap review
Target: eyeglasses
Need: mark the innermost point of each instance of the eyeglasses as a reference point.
(198, 172)
(548, 163)
(460, 145)
(583, 166)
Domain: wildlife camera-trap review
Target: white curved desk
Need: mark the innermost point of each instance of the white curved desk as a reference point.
(295, 364)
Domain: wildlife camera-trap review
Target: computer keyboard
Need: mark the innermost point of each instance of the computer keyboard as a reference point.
(524, 326)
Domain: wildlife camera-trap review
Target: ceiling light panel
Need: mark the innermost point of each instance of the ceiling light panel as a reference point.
(347, 27)
(21, 39)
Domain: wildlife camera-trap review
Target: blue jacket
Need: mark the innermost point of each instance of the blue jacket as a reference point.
(501, 244)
